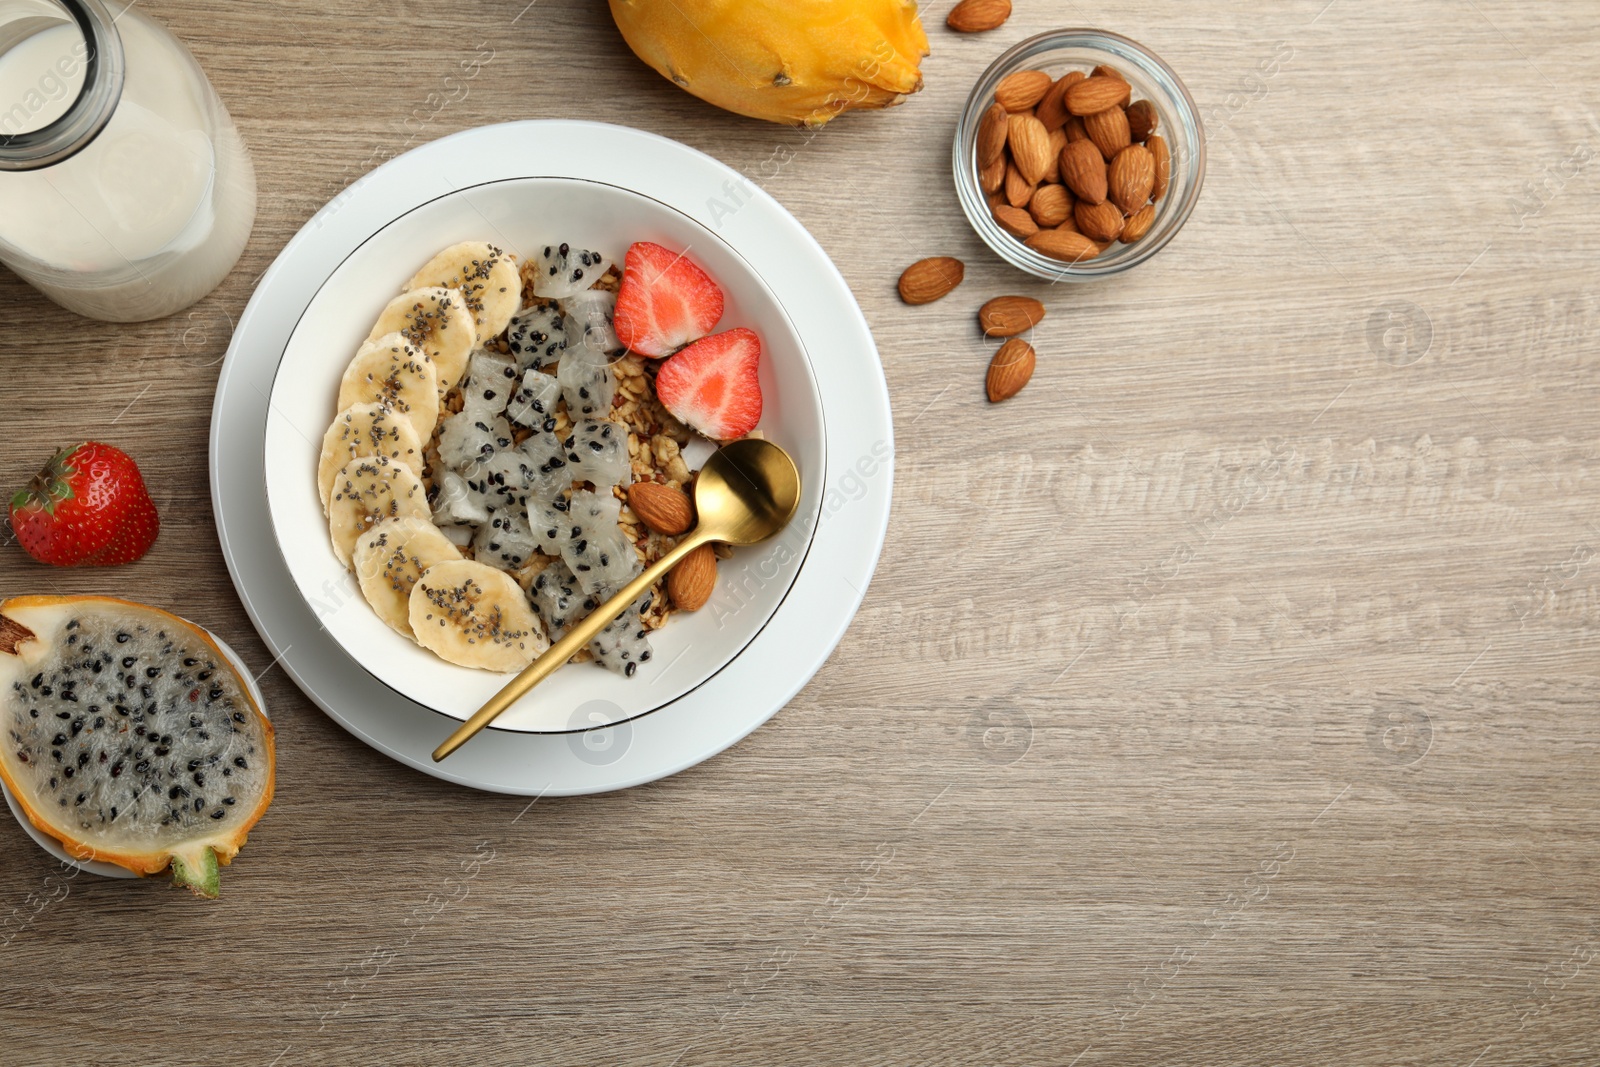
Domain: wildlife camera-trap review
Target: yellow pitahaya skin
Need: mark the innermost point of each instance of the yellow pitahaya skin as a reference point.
(781, 61)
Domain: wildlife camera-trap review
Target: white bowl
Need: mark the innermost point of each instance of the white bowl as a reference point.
(521, 215)
(111, 870)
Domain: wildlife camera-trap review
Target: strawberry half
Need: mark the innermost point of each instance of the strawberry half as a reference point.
(665, 301)
(712, 385)
(87, 508)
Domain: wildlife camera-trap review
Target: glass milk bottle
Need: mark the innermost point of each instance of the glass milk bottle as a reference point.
(125, 191)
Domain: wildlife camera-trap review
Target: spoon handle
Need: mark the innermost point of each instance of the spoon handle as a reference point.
(579, 636)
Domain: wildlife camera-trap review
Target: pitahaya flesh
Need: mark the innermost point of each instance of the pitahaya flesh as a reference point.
(534, 403)
(598, 552)
(562, 269)
(587, 384)
(597, 452)
(537, 336)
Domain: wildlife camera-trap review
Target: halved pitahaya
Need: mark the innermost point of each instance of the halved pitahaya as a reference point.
(457, 502)
(505, 541)
(588, 322)
(561, 270)
(623, 645)
(551, 524)
(534, 403)
(467, 439)
(598, 552)
(491, 379)
(129, 737)
(587, 384)
(597, 452)
(537, 336)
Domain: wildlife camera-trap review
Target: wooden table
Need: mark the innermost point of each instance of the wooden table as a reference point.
(1226, 697)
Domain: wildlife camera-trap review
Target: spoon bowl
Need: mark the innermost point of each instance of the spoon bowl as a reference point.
(746, 492)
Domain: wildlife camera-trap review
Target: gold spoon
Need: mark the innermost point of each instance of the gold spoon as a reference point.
(746, 492)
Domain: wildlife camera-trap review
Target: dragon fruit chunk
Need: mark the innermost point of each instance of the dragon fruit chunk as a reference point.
(597, 452)
(457, 502)
(467, 438)
(537, 336)
(561, 270)
(491, 379)
(550, 523)
(534, 403)
(598, 552)
(587, 320)
(505, 541)
(623, 645)
(587, 384)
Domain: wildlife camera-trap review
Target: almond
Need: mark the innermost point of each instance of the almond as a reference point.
(927, 280)
(1015, 221)
(663, 508)
(1142, 119)
(1071, 223)
(1019, 190)
(1103, 71)
(1007, 316)
(1063, 244)
(995, 200)
(1030, 146)
(1163, 164)
(1108, 130)
(992, 177)
(1009, 370)
(992, 131)
(1083, 170)
(1058, 141)
(692, 578)
(977, 16)
(1138, 224)
(1052, 110)
(1096, 94)
(1099, 222)
(1130, 177)
(1022, 89)
(1051, 205)
(1074, 129)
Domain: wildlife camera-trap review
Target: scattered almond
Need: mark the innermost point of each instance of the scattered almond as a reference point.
(664, 508)
(1010, 370)
(692, 579)
(977, 16)
(1108, 130)
(1030, 146)
(1095, 94)
(1138, 224)
(1051, 206)
(1019, 190)
(1015, 221)
(1022, 89)
(1101, 222)
(1163, 164)
(1007, 316)
(1142, 120)
(927, 280)
(1063, 244)
(1131, 177)
(992, 131)
(1083, 170)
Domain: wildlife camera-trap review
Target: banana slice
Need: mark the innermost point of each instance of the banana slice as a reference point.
(367, 491)
(393, 371)
(437, 321)
(390, 557)
(366, 430)
(474, 615)
(486, 277)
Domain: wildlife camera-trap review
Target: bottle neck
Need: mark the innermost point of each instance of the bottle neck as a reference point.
(98, 52)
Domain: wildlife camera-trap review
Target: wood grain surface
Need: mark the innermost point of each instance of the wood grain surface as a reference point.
(1227, 697)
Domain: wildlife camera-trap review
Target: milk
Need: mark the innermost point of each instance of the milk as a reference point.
(155, 211)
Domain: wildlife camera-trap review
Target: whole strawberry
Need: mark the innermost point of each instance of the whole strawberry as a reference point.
(87, 508)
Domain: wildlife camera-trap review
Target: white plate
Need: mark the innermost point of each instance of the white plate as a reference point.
(521, 215)
(111, 870)
(849, 516)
